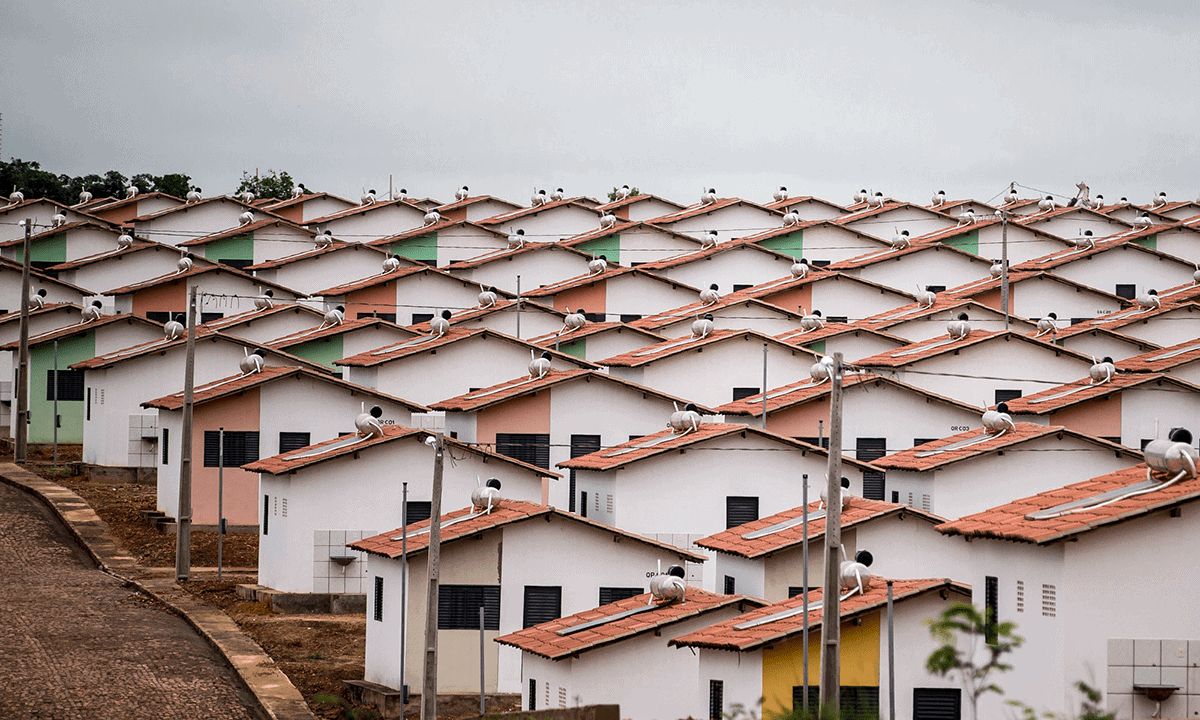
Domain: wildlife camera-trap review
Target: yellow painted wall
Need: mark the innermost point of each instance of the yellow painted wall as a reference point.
(783, 664)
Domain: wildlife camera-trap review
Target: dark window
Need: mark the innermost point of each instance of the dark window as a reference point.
(1111, 439)
(936, 288)
(739, 288)
(417, 510)
(838, 318)
(615, 594)
(1129, 292)
(583, 504)
(390, 317)
(740, 510)
(89, 404)
(819, 263)
(266, 513)
(241, 447)
(716, 699)
(743, 393)
(794, 590)
(819, 442)
(595, 317)
(1076, 321)
(166, 457)
(857, 701)
(730, 585)
(868, 449)
(895, 496)
(543, 603)
(991, 604)
(1145, 442)
(937, 704)
(635, 437)
(378, 599)
(630, 318)
(533, 448)
(1006, 395)
(70, 385)
(922, 441)
(581, 445)
(458, 607)
(163, 317)
(289, 441)
(421, 317)
(532, 694)
(239, 264)
(205, 317)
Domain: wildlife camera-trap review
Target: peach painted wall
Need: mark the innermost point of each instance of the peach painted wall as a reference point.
(167, 297)
(1100, 417)
(800, 420)
(792, 299)
(528, 414)
(295, 213)
(992, 298)
(377, 298)
(592, 298)
(239, 412)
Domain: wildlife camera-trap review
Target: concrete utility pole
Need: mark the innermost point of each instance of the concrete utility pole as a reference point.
(403, 593)
(183, 525)
(1004, 265)
(804, 590)
(831, 612)
(22, 418)
(429, 681)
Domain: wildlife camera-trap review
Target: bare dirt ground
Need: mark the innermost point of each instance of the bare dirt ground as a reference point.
(316, 652)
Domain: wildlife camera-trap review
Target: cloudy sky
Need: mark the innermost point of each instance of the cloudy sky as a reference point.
(902, 97)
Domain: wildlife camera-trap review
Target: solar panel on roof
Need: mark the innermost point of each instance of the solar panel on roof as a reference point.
(654, 350)
(785, 525)
(446, 524)
(923, 348)
(606, 620)
(1093, 500)
(404, 345)
(641, 446)
(957, 445)
(1056, 396)
(1175, 353)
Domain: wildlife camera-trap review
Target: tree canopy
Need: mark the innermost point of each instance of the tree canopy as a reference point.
(277, 185)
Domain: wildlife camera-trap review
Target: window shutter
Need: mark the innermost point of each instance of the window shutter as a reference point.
(991, 602)
(937, 704)
(1006, 395)
(740, 510)
(868, 449)
(166, 456)
(418, 510)
(581, 445)
(458, 607)
(378, 599)
(532, 448)
(543, 603)
(744, 392)
(289, 441)
(730, 585)
(716, 699)
(615, 594)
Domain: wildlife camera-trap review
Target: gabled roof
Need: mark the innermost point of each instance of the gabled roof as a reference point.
(640, 197)
(985, 221)
(338, 447)
(443, 224)
(507, 253)
(337, 246)
(198, 270)
(1124, 241)
(667, 440)
(475, 200)
(505, 391)
(587, 279)
(385, 277)
(113, 204)
(914, 248)
(806, 390)
(51, 232)
(646, 355)
(801, 338)
(726, 635)
(359, 209)
(941, 303)
(698, 209)
(1162, 359)
(1012, 522)
(1108, 322)
(42, 277)
(592, 328)
(229, 321)
(506, 512)
(719, 249)
(816, 275)
(935, 346)
(15, 315)
(202, 333)
(503, 304)
(288, 202)
(862, 211)
(697, 309)
(545, 641)
(1015, 276)
(245, 381)
(246, 229)
(425, 343)
(1061, 210)
(529, 211)
(188, 206)
(931, 456)
(1081, 391)
(749, 541)
(80, 328)
(800, 200)
(317, 333)
(139, 244)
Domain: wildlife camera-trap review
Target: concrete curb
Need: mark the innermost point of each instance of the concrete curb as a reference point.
(277, 698)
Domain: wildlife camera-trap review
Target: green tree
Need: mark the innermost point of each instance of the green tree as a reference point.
(964, 621)
(633, 192)
(277, 185)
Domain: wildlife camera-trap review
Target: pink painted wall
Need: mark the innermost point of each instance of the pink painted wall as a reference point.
(800, 420)
(1101, 417)
(591, 297)
(167, 297)
(529, 414)
(379, 298)
(240, 412)
(791, 299)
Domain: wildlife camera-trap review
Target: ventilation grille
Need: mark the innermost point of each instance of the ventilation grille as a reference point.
(562, 697)
(283, 508)
(1049, 601)
(1020, 596)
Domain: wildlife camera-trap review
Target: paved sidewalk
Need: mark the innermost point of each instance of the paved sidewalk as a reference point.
(79, 644)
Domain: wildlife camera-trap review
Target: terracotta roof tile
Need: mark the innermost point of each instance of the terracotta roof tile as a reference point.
(196, 271)
(1012, 521)
(735, 541)
(1123, 241)
(318, 332)
(69, 330)
(455, 334)
(698, 309)
(337, 246)
(525, 212)
(15, 315)
(504, 253)
(340, 446)
(543, 640)
(635, 199)
(726, 635)
(188, 206)
(595, 328)
(503, 304)
(466, 522)
(668, 348)
(443, 224)
(138, 245)
(806, 390)
(702, 209)
(1163, 359)
(246, 229)
(978, 287)
(943, 344)
(485, 397)
(1080, 391)
(288, 202)
(358, 209)
(930, 456)
(719, 249)
(801, 338)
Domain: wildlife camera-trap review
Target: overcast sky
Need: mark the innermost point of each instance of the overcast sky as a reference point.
(825, 98)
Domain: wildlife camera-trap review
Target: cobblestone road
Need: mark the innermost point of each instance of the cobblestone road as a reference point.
(75, 644)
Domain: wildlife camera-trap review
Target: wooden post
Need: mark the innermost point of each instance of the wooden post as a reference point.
(183, 525)
(831, 611)
(22, 418)
(429, 684)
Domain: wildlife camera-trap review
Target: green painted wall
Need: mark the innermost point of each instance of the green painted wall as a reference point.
(790, 244)
(240, 247)
(609, 247)
(1146, 242)
(52, 249)
(421, 249)
(578, 348)
(41, 360)
(968, 242)
(323, 351)
(817, 347)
